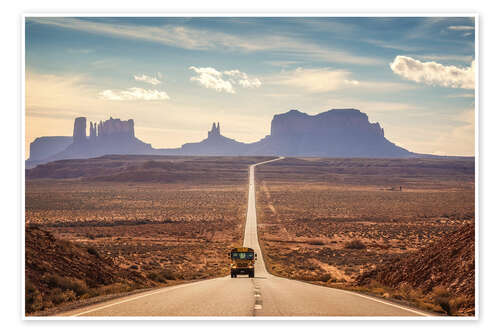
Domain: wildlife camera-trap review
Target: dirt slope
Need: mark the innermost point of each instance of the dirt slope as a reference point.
(59, 271)
(446, 264)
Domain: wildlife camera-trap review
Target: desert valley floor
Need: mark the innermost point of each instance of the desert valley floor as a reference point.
(150, 221)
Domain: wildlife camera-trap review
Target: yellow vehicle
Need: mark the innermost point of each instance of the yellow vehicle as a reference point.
(242, 261)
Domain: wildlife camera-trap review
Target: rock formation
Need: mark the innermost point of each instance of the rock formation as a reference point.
(116, 127)
(93, 131)
(334, 133)
(215, 131)
(80, 130)
(44, 147)
(112, 136)
(214, 144)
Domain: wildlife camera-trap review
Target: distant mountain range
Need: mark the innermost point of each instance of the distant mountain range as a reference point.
(334, 133)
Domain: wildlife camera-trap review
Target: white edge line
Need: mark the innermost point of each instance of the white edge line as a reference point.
(140, 296)
(384, 302)
(370, 298)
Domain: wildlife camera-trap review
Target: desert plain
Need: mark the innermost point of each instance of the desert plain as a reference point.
(161, 220)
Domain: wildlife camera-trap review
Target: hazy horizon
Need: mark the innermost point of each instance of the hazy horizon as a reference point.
(175, 76)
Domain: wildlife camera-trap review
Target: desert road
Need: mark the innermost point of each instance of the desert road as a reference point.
(264, 295)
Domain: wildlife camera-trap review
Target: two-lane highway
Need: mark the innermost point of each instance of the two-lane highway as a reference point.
(264, 295)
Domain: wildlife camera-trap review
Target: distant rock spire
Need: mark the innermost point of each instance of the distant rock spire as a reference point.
(80, 130)
(99, 129)
(215, 131)
(93, 130)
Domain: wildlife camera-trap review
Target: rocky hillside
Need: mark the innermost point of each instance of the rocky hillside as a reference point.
(144, 168)
(59, 271)
(444, 270)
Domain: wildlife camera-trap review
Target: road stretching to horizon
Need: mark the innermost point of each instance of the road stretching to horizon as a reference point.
(264, 295)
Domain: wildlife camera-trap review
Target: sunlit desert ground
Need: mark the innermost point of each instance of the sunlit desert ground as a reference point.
(167, 220)
(146, 227)
(157, 221)
(328, 221)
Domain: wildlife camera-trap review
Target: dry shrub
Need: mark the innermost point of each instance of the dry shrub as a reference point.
(426, 305)
(114, 288)
(58, 296)
(457, 303)
(440, 291)
(33, 297)
(93, 252)
(355, 244)
(324, 277)
(442, 298)
(316, 242)
(444, 303)
(163, 275)
(66, 283)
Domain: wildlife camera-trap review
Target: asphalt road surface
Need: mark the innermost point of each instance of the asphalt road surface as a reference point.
(264, 295)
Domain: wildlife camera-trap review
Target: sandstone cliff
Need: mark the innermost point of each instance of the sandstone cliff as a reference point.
(44, 147)
(334, 133)
(112, 136)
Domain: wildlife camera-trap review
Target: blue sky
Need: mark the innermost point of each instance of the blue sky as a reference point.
(175, 76)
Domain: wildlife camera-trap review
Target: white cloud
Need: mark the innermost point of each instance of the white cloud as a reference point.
(461, 96)
(322, 80)
(198, 39)
(467, 117)
(81, 51)
(352, 82)
(282, 63)
(371, 107)
(223, 81)
(58, 96)
(134, 94)
(148, 79)
(211, 78)
(442, 57)
(460, 27)
(242, 79)
(433, 73)
(391, 45)
(316, 80)
(460, 139)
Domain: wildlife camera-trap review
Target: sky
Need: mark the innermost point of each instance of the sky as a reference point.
(175, 76)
